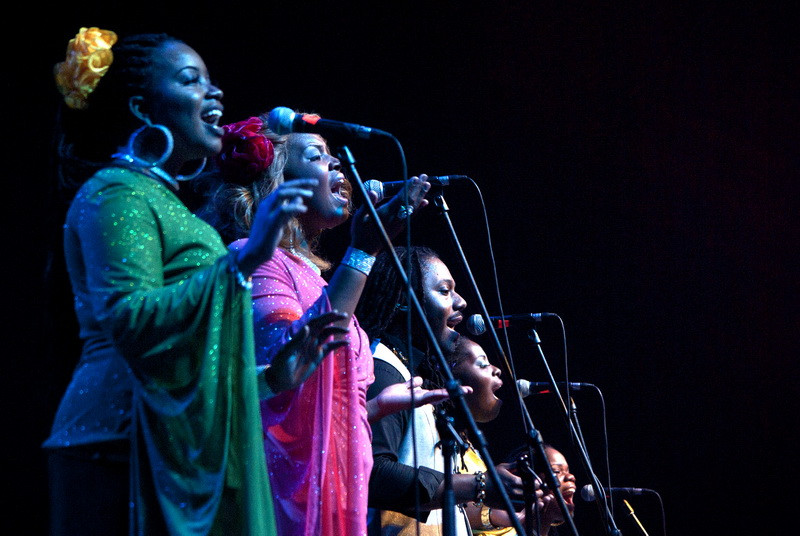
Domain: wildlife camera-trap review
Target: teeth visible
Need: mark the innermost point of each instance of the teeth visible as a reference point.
(212, 116)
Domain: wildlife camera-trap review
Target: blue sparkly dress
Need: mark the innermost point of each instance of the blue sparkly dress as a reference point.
(168, 364)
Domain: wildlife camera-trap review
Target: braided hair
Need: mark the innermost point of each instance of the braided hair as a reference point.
(383, 304)
(85, 139)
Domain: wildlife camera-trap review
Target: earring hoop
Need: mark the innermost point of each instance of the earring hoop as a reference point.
(168, 141)
(193, 174)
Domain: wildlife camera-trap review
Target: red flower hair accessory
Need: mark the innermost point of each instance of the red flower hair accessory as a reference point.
(246, 152)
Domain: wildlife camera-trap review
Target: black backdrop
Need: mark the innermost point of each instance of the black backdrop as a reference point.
(638, 164)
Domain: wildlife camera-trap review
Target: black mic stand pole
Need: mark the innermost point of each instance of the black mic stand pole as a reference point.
(452, 385)
(533, 437)
(611, 526)
(450, 445)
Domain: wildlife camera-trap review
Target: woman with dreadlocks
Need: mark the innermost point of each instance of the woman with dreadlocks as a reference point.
(401, 493)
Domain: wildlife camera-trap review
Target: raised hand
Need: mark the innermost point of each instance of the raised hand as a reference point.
(394, 215)
(304, 352)
(271, 216)
(397, 397)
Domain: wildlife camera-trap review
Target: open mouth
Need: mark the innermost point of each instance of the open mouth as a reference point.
(568, 493)
(496, 385)
(211, 118)
(339, 192)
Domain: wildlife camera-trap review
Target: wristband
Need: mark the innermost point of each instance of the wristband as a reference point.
(358, 260)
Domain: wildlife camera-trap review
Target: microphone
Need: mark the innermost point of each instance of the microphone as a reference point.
(588, 494)
(388, 189)
(282, 120)
(477, 326)
(527, 388)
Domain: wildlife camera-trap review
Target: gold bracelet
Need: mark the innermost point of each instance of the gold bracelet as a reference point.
(486, 518)
(495, 527)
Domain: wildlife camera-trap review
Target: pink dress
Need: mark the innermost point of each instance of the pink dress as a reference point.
(317, 437)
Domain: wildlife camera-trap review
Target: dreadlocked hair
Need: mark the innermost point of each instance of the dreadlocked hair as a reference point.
(87, 138)
(384, 305)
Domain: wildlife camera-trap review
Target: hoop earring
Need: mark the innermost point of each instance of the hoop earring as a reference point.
(168, 140)
(193, 174)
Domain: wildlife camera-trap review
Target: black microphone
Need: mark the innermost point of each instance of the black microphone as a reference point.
(527, 388)
(282, 120)
(388, 189)
(477, 326)
(588, 494)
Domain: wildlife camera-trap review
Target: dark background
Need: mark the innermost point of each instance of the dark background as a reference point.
(638, 164)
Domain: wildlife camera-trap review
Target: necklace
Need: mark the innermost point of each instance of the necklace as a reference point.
(305, 259)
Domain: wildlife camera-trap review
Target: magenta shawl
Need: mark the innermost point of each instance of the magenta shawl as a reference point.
(317, 437)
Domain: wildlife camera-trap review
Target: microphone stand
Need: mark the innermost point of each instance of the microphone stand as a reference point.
(633, 515)
(533, 437)
(452, 385)
(450, 446)
(611, 526)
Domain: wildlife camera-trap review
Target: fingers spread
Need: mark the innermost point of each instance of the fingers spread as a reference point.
(318, 322)
(295, 192)
(329, 347)
(299, 183)
(332, 331)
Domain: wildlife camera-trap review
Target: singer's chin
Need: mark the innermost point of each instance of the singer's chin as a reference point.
(449, 340)
(494, 411)
(568, 495)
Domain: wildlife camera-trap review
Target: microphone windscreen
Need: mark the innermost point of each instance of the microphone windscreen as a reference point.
(524, 387)
(280, 120)
(587, 493)
(476, 325)
(374, 186)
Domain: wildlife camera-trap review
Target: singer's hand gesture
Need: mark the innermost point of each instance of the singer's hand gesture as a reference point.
(394, 215)
(272, 215)
(397, 397)
(300, 356)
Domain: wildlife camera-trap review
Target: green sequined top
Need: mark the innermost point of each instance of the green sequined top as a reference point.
(168, 359)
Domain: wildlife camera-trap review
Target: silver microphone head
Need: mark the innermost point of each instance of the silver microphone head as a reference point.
(476, 325)
(374, 186)
(280, 120)
(587, 493)
(524, 387)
